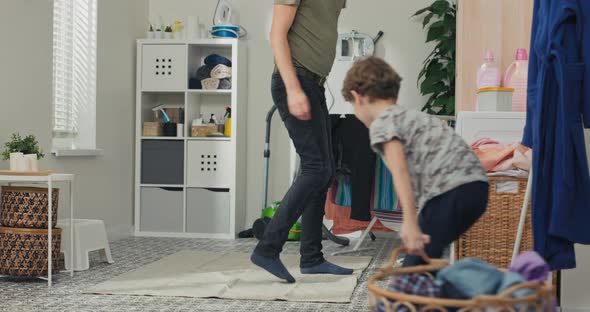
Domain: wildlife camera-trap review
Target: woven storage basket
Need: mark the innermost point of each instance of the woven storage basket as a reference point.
(203, 131)
(27, 207)
(23, 252)
(492, 237)
(541, 300)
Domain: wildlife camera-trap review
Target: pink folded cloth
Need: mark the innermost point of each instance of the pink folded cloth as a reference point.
(523, 158)
(484, 141)
(497, 157)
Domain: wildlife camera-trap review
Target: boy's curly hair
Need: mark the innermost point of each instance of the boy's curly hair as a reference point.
(372, 77)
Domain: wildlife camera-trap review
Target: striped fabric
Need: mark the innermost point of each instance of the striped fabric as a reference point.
(384, 197)
(385, 204)
(342, 193)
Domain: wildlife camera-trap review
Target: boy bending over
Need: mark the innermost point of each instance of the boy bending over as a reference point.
(441, 183)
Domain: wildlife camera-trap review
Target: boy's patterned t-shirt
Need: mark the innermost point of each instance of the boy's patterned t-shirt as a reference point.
(438, 159)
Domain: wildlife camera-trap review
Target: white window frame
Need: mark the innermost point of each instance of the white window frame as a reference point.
(74, 76)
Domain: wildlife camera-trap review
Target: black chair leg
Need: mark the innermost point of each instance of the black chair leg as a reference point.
(336, 239)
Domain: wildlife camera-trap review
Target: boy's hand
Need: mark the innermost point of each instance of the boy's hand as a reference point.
(298, 104)
(413, 238)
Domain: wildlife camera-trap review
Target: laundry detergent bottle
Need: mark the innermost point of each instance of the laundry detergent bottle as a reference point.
(516, 77)
(488, 75)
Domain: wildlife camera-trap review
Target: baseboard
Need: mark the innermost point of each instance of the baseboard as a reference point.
(118, 232)
(579, 309)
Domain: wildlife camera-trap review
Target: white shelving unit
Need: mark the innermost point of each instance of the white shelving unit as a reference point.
(185, 186)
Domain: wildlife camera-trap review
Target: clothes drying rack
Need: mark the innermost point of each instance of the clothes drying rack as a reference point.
(357, 246)
(523, 213)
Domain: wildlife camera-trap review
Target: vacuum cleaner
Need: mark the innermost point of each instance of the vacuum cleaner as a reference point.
(260, 224)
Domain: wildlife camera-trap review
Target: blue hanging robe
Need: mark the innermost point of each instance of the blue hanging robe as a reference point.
(558, 109)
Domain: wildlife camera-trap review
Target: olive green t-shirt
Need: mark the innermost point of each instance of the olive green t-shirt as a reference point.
(314, 33)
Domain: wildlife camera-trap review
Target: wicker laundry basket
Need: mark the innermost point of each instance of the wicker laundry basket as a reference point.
(23, 252)
(539, 301)
(27, 207)
(492, 238)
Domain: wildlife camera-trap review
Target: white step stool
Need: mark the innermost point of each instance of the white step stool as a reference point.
(90, 235)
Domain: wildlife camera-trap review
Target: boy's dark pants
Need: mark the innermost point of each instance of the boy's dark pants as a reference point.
(449, 215)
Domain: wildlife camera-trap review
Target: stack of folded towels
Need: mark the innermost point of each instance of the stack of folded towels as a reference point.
(214, 74)
(469, 278)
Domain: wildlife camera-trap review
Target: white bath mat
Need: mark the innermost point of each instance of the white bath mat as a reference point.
(232, 276)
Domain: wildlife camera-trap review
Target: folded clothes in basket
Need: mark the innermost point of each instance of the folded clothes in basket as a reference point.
(469, 278)
(531, 266)
(512, 279)
(497, 157)
(410, 284)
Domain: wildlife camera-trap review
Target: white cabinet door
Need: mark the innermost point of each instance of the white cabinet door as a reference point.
(210, 164)
(164, 67)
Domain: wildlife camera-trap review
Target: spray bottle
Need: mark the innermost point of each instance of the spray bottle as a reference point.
(227, 131)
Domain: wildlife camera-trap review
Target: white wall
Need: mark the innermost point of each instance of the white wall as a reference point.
(402, 46)
(104, 185)
(575, 282)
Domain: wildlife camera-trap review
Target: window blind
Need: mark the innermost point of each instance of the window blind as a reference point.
(74, 63)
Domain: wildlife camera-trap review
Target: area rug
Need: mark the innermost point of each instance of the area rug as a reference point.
(232, 276)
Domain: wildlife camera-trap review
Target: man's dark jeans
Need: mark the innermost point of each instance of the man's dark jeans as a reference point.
(307, 195)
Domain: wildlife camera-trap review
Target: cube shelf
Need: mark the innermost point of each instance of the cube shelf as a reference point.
(189, 186)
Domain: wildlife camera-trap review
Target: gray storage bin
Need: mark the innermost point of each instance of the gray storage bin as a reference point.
(208, 211)
(162, 162)
(161, 209)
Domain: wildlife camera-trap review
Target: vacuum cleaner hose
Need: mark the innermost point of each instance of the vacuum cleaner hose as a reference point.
(271, 112)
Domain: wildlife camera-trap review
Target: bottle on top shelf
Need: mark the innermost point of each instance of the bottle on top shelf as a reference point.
(488, 75)
(516, 77)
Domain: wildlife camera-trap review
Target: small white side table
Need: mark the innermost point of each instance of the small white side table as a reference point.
(47, 179)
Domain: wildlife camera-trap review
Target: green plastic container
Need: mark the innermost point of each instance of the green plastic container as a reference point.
(294, 232)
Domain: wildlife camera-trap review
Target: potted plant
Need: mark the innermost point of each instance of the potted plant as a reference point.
(22, 152)
(437, 78)
(151, 33)
(168, 32)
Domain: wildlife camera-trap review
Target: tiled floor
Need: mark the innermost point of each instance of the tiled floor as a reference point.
(32, 295)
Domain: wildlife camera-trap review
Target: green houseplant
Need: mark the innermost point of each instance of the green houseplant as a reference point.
(18, 144)
(437, 78)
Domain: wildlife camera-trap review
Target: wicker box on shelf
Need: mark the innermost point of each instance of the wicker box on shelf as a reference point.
(24, 252)
(153, 129)
(492, 237)
(27, 207)
(203, 131)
